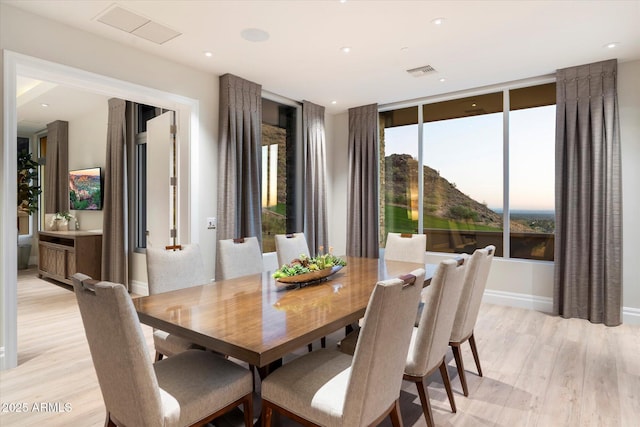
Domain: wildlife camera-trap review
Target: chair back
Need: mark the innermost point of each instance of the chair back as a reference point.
(290, 247)
(475, 281)
(119, 351)
(239, 257)
(168, 270)
(431, 339)
(406, 247)
(381, 349)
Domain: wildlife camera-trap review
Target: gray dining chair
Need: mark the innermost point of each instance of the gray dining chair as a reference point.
(330, 388)
(475, 281)
(290, 247)
(190, 388)
(430, 339)
(239, 257)
(406, 247)
(169, 269)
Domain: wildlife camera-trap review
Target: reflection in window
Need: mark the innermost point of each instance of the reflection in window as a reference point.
(281, 209)
(462, 158)
(399, 172)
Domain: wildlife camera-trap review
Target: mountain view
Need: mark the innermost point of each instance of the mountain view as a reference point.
(445, 206)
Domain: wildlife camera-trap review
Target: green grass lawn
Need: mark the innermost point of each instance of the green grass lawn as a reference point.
(397, 220)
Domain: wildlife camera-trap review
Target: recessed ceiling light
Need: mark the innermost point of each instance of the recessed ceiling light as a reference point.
(473, 104)
(612, 45)
(343, 1)
(438, 21)
(208, 54)
(334, 102)
(442, 80)
(345, 49)
(43, 105)
(254, 34)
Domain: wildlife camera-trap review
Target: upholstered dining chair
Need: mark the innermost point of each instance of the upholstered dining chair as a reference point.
(239, 257)
(406, 247)
(430, 338)
(330, 388)
(190, 388)
(475, 281)
(290, 247)
(167, 270)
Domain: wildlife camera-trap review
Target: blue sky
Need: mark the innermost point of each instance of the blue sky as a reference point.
(469, 152)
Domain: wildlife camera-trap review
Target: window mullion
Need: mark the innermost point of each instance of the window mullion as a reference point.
(506, 229)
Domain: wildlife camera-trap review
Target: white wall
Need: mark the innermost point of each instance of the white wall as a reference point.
(520, 282)
(629, 103)
(87, 148)
(37, 37)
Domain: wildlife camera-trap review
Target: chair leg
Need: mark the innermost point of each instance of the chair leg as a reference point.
(109, 422)
(323, 342)
(474, 350)
(158, 357)
(396, 418)
(247, 407)
(310, 347)
(447, 384)
(267, 412)
(460, 365)
(424, 399)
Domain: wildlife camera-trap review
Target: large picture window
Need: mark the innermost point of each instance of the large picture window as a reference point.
(445, 174)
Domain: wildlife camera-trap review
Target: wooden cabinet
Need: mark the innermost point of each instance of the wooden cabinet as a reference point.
(61, 254)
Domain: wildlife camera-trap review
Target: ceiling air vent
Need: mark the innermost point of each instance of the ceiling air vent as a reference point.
(421, 71)
(137, 25)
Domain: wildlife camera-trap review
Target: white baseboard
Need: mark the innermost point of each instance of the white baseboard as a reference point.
(139, 288)
(630, 315)
(513, 299)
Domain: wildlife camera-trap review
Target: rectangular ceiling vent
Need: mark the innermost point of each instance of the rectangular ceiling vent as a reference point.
(421, 71)
(137, 25)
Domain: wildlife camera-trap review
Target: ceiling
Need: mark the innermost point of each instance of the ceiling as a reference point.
(479, 43)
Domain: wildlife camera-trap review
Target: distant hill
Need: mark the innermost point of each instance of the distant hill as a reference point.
(442, 199)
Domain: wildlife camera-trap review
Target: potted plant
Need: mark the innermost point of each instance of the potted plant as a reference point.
(28, 192)
(61, 221)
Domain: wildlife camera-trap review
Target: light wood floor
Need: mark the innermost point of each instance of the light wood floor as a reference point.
(539, 370)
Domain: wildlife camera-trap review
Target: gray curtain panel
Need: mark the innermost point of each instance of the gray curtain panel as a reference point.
(362, 194)
(114, 225)
(588, 245)
(239, 158)
(56, 193)
(315, 193)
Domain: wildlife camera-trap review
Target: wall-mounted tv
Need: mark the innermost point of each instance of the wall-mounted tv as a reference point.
(85, 189)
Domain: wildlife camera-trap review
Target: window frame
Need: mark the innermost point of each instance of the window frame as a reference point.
(504, 88)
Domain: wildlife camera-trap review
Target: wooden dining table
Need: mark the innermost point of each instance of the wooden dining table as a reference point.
(257, 320)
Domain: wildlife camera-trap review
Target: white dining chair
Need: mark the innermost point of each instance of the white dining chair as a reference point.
(430, 339)
(330, 388)
(169, 269)
(239, 257)
(188, 389)
(406, 247)
(475, 281)
(290, 247)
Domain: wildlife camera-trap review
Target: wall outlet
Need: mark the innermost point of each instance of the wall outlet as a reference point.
(211, 223)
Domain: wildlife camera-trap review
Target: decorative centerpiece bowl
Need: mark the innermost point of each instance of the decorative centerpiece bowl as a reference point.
(304, 270)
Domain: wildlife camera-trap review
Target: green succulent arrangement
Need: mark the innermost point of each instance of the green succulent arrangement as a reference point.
(305, 264)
